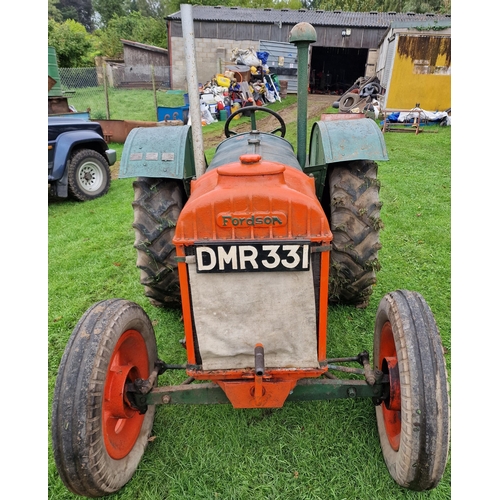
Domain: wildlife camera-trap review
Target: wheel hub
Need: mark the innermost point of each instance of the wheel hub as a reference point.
(90, 176)
(391, 409)
(390, 367)
(121, 422)
(118, 406)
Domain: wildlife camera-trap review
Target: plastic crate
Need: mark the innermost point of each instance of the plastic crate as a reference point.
(164, 113)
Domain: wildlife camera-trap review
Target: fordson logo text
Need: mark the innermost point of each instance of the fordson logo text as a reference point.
(257, 219)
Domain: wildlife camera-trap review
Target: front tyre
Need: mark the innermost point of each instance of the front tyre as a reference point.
(413, 420)
(89, 175)
(98, 438)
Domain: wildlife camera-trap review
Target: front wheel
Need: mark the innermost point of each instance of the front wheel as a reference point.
(413, 419)
(89, 175)
(98, 438)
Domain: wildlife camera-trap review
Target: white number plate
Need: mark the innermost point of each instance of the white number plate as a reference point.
(252, 257)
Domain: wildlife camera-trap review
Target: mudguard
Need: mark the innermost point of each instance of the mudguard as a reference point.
(67, 142)
(160, 152)
(343, 139)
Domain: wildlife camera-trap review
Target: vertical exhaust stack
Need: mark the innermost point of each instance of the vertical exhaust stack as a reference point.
(302, 35)
(192, 83)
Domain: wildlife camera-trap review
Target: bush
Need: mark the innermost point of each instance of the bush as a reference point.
(72, 43)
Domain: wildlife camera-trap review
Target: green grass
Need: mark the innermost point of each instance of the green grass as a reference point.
(125, 104)
(313, 450)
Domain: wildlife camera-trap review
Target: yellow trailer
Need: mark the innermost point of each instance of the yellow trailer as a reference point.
(414, 66)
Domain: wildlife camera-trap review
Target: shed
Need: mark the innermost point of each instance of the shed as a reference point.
(139, 61)
(347, 45)
(414, 66)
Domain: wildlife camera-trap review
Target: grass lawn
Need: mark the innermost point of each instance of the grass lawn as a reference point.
(306, 450)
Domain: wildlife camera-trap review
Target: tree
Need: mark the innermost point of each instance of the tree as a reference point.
(78, 10)
(418, 6)
(54, 12)
(150, 8)
(134, 27)
(174, 5)
(107, 9)
(72, 43)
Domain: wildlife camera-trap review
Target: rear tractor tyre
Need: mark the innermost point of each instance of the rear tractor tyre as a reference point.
(355, 223)
(89, 175)
(98, 438)
(414, 419)
(157, 206)
(348, 101)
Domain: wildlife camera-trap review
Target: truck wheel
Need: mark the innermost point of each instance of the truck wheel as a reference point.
(89, 175)
(157, 205)
(355, 223)
(97, 437)
(413, 421)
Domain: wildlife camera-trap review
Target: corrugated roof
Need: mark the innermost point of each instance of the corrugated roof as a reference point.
(314, 17)
(144, 46)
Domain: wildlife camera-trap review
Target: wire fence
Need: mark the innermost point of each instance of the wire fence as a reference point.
(115, 92)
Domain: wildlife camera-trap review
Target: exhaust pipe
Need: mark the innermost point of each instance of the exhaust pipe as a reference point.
(192, 84)
(302, 35)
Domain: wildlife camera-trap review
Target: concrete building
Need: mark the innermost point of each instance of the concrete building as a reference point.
(349, 44)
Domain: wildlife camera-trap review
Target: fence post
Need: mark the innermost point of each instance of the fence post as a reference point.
(106, 97)
(154, 91)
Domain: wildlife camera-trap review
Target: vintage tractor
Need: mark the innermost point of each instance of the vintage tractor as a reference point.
(254, 248)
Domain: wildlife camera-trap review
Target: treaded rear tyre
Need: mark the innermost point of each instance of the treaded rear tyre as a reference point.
(97, 437)
(157, 206)
(414, 425)
(355, 223)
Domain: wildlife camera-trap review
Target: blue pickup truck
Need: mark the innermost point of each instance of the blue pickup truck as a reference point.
(79, 158)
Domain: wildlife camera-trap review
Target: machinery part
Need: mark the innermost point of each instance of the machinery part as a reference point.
(260, 365)
(370, 90)
(98, 438)
(413, 422)
(348, 101)
(159, 152)
(355, 223)
(157, 205)
(251, 110)
(89, 175)
(340, 139)
(360, 83)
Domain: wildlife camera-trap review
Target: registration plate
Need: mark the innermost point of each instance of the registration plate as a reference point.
(252, 257)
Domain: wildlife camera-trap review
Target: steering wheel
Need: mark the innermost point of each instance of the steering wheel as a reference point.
(252, 110)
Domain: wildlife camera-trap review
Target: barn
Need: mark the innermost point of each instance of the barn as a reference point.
(348, 43)
(139, 61)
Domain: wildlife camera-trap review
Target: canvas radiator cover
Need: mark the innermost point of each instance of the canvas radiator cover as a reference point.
(234, 311)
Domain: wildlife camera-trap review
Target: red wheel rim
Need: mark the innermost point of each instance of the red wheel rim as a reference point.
(392, 417)
(121, 423)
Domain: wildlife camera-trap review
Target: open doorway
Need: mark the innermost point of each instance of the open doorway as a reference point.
(335, 69)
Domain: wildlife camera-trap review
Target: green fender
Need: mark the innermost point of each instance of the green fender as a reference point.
(343, 139)
(163, 151)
